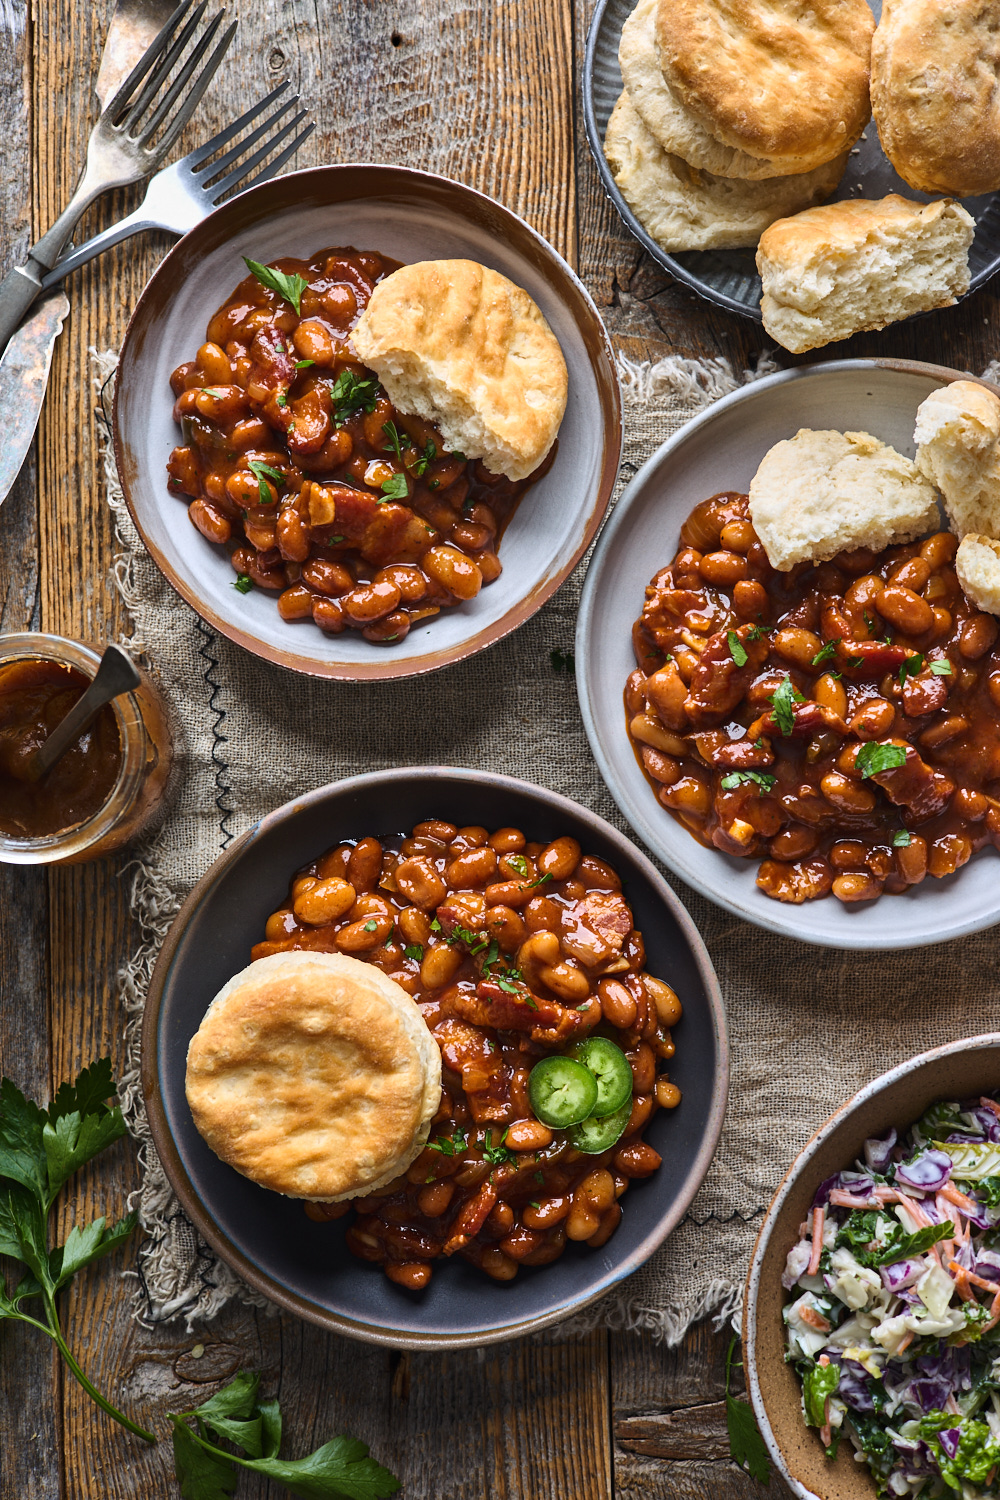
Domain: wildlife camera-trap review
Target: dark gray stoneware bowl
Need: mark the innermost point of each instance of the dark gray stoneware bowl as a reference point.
(267, 1239)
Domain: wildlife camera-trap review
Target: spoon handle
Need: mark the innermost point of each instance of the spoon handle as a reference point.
(116, 674)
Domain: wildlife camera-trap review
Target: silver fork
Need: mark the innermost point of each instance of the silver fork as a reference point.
(184, 193)
(131, 138)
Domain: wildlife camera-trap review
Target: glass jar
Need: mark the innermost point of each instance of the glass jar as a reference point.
(138, 794)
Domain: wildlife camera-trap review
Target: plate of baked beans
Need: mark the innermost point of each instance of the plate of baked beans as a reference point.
(302, 512)
(582, 1041)
(869, 819)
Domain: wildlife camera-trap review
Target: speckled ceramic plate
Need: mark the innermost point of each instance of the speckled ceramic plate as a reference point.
(267, 1239)
(729, 277)
(897, 1098)
(409, 216)
(721, 451)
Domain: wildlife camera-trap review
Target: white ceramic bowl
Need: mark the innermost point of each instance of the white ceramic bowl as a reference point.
(721, 450)
(409, 216)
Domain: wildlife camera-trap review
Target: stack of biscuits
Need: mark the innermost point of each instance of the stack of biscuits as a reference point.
(736, 121)
(736, 114)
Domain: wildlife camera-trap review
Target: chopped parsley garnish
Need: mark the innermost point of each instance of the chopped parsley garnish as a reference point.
(435, 925)
(207, 390)
(498, 1154)
(450, 1145)
(941, 668)
(563, 661)
(540, 881)
(460, 456)
(762, 779)
(902, 839)
(371, 926)
(243, 585)
(758, 632)
(873, 758)
(414, 951)
(262, 473)
(911, 667)
(289, 287)
(736, 649)
(281, 399)
(396, 488)
(303, 364)
(419, 465)
(397, 440)
(349, 395)
(827, 652)
(519, 864)
(782, 698)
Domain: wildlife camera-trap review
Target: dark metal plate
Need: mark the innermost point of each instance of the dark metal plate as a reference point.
(729, 277)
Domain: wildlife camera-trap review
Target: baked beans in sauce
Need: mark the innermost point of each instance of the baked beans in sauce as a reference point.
(293, 457)
(35, 697)
(839, 722)
(513, 951)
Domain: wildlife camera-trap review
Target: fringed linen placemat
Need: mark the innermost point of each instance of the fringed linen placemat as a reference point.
(807, 1028)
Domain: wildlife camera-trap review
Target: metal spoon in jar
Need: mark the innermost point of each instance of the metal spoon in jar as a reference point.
(116, 674)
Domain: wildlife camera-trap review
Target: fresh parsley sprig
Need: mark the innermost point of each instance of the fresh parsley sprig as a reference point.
(289, 287)
(262, 473)
(40, 1149)
(340, 1468)
(736, 648)
(873, 758)
(350, 395)
(827, 652)
(763, 779)
(784, 695)
(746, 1446)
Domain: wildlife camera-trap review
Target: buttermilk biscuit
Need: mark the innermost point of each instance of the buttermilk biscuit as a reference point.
(684, 209)
(977, 564)
(958, 448)
(844, 267)
(820, 493)
(678, 131)
(314, 1075)
(774, 78)
(936, 93)
(461, 345)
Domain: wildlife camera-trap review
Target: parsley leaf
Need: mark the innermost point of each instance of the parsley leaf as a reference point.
(289, 287)
(873, 758)
(827, 652)
(758, 632)
(784, 695)
(902, 839)
(763, 780)
(736, 649)
(243, 584)
(349, 395)
(371, 925)
(414, 951)
(396, 443)
(40, 1149)
(262, 473)
(911, 667)
(303, 364)
(420, 464)
(449, 1145)
(396, 488)
(519, 864)
(941, 668)
(341, 1468)
(498, 1154)
(746, 1446)
(540, 881)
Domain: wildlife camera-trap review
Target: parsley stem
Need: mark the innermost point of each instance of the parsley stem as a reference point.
(55, 1333)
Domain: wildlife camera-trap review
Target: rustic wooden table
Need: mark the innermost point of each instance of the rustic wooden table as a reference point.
(485, 91)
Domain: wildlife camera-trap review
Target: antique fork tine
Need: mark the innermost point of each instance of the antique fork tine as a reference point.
(176, 199)
(114, 156)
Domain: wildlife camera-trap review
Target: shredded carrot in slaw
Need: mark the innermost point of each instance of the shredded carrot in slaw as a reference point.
(819, 1216)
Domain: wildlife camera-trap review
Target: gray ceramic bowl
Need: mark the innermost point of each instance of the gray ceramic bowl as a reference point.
(720, 451)
(960, 1069)
(410, 216)
(267, 1239)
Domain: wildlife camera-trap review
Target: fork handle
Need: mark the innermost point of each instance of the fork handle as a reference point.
(134, 223)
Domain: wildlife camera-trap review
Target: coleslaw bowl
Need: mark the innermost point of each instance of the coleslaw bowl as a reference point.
(960, 1069)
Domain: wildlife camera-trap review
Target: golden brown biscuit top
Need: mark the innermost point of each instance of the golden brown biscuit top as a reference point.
(314, 1075)
(473, 342)
(841, 227)
(936, 93)
(772, 77)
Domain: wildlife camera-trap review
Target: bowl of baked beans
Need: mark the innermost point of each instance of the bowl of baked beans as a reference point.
(582, 1038)
(275, 484)
(740, 715)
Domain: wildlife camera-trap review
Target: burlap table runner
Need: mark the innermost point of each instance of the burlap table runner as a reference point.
(808, 1026)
